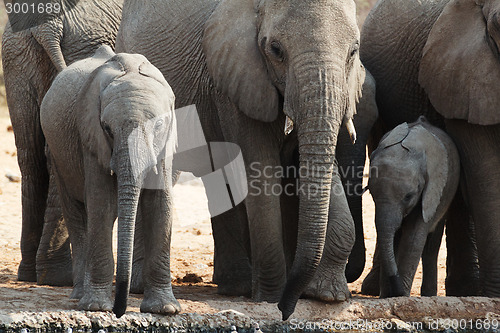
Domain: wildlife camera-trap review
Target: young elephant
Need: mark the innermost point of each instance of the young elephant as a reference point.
(109, 122)
(414, 174)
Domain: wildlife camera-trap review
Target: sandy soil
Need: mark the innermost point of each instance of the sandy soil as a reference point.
(192, 253)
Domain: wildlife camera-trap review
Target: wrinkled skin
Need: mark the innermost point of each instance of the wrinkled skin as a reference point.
(31, 59)
(118, 121)
(414, 176)
(309, 72)
(414, 50)
(351, 162)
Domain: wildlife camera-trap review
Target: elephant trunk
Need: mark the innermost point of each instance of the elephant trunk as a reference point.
(387, 222)
(319, 114)
(129, 189)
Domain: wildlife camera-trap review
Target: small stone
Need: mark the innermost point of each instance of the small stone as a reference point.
(233, 329)
(24, 330)
(12, 177)
(256, 327)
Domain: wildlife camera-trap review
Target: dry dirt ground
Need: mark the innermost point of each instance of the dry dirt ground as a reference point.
(192, 253)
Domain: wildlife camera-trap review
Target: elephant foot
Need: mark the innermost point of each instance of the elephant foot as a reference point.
(160, 302)
(61, 277)
(269, 290)
(269, 297)
(26, 272)
(136, 281)
(77, 292)
(235, 288)
(328, 287)
(235, 279)
(96, 300)
(371, 284)
(462, 285)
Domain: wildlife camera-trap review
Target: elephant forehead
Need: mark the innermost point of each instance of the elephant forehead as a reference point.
(139, 89)
(395, 162)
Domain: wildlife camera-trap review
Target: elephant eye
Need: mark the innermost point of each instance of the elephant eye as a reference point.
(408, 197)
(107, 129)
(354, 49)
(158, 126)
(276, 50)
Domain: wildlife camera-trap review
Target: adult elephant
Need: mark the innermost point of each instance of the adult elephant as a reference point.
(440, 58)
(32, 57)
(246, 65)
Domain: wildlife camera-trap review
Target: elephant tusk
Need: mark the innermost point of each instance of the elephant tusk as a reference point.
(351, 130)
(155, 170)
(112, 173)
(288, 125)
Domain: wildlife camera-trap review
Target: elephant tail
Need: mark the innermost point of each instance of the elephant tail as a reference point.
(49, 36)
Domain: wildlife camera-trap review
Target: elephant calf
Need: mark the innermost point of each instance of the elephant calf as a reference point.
(110, 126)
(414, 174)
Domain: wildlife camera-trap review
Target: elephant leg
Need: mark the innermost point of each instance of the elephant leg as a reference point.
(329, 282)
(351, 159)
(75, 218)
(24, 84)
(290, 215)
(480, 157)
(430, 261)
(266, 234)
(53, 260)
(462, 269)
(136, 280)
(261, 152)
(232, 268)
(30, 145)
(101, 208)
(156, 211)
(371, 283)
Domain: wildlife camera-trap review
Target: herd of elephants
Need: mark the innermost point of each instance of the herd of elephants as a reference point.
(416, 84)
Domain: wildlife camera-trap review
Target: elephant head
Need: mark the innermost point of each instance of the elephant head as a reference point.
(130, 125)
(460, 67)
(300, 58)
(414, 175)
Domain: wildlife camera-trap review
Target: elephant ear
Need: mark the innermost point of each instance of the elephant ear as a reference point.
(89, 102)
(460, 67)
(394, 137)
(235, 62)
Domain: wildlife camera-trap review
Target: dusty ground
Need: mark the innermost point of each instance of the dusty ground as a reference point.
(192, 253)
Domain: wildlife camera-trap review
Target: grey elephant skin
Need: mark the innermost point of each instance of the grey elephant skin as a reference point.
(107, 120)
(31, 60)
(245, 64)
(440, 58)
(351, 162)
(414, 175)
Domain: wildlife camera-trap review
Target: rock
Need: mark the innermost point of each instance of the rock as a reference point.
(13, 178)
(190, 278)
